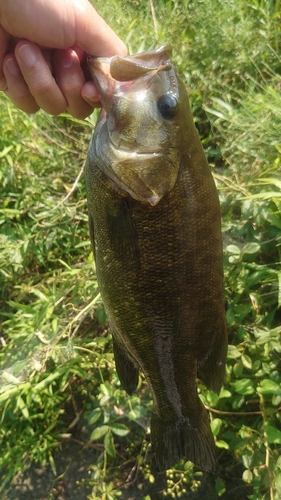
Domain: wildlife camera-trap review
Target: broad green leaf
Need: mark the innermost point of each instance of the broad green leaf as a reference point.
(106, 400)
(225, 394)
(133, 415)
(109, 444)
(247, 476)
(237, 401)
(268, 386)
(273, 435)
(275, 221)
(278, 484)
(188, 466)
(222, 444)
(247, 457)
(210, 398)
(276, 399)
(220, 487)
(238, 369)
(99, 432)
(216, 424)
(100, 314)
(94, 416)
(251, 247)
(106, 388)
(233, 352)
(120, 429)
(245, 432)
(233, 249)
(247, 362)
(278, 462)
(244, 386)
(256, 365)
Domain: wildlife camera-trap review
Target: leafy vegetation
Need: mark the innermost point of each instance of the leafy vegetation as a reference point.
(55, 348)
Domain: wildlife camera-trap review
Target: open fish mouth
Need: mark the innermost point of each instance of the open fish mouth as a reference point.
(113, 75)
(131, 129)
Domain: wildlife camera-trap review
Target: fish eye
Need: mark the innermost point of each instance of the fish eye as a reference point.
(168, 105)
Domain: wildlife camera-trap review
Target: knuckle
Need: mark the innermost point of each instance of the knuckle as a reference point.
(71, 89)
(40, 86)
(48, 96)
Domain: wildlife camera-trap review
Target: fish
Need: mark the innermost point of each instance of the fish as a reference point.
(155, 227)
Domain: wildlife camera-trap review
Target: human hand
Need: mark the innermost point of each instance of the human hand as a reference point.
(43, 47)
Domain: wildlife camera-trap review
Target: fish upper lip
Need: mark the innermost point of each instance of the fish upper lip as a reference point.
(118, 74)
(143, 61)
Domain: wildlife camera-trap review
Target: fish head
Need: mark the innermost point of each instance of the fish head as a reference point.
(138, 138)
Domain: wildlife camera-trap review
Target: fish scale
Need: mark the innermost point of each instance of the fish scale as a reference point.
(159, 259)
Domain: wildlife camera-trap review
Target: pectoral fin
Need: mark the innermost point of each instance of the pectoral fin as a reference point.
(123, 232)
(128, 372)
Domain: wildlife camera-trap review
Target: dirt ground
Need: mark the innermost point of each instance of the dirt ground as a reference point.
(73, 460)
(75, 457)
(39, 483)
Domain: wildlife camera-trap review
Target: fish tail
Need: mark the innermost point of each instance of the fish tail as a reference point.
(173, 440)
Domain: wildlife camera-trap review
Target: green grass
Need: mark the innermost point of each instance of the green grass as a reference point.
(53, 336)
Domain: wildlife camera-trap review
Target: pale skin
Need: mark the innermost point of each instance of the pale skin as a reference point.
(43, 48)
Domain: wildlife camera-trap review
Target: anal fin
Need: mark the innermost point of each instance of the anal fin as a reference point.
(128, 372)
(212, 370)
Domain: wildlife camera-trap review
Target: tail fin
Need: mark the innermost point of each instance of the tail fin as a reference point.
(173, 440)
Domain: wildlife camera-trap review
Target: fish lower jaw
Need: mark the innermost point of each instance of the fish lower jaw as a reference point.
(120, 152)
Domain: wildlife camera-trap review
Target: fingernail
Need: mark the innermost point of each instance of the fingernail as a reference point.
(90, 93)
(28, 55)
(12, 66)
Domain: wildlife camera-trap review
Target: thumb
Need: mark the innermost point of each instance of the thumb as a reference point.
(93, 34)
(60, 24)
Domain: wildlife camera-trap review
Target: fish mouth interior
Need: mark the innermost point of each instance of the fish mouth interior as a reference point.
(107, 71)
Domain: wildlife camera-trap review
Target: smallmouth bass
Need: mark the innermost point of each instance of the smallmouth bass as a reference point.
(154, 220)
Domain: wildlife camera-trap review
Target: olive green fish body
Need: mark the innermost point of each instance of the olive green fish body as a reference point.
(159, 268)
